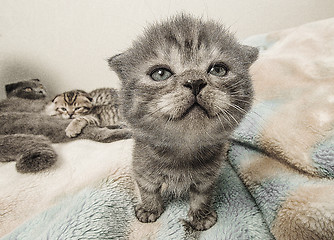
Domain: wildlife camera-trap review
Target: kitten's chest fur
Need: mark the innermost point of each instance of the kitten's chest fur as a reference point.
(176, 170)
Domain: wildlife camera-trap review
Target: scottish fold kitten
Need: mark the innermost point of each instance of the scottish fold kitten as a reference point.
(70, 104)
(99, 108)
(30, 89)
(106, 106)
(185, 88)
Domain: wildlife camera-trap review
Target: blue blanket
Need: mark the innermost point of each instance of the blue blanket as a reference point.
(277, 182)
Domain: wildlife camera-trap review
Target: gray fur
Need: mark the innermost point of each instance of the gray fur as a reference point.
(32, 153)
(23, 105)
(54, 128)
(181, 125)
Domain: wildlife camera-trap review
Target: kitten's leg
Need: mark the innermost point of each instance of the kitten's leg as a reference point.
(201, 214)
(75, 127)
(151, 206)
(54, 128)
(105, 135)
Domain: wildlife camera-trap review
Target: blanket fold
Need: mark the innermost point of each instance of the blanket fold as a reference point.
(283, 150)
(277, 183)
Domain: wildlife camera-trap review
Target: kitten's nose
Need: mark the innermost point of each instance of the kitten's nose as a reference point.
(195, 85)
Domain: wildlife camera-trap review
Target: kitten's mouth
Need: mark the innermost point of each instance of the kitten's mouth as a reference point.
(197, 109)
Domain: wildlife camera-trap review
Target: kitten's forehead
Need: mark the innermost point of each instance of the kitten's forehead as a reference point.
(184, 41)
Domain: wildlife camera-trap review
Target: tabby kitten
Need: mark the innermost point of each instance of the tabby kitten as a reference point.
(106, 106)
(30, 89)
(71, 104)
(99, 108)
(185, 88)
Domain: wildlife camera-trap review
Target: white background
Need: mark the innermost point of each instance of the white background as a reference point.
(65, 43)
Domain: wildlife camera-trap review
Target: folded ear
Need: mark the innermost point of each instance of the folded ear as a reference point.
(35, 80)
(10, 87)
(116, 63)
(250, 53)
(56, 97)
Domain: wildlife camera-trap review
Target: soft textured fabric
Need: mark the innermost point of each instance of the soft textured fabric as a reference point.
(277, 183)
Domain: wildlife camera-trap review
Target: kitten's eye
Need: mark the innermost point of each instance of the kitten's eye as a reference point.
(160, 74)
(28, 89)
(63, 109)
(218, 69)
(78, 108)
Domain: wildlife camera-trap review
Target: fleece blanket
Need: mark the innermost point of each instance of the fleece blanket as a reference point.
(276, 184)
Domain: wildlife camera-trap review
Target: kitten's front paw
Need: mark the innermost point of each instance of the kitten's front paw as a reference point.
(146, 215)
(202, 219)
(72, 131)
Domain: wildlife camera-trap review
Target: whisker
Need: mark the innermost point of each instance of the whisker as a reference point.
(234, 85)
(223, 115)
(221, 123)
(228, 113)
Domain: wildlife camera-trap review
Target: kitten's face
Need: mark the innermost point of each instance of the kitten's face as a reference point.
(72, 104)
(185, 75)
(31, 89)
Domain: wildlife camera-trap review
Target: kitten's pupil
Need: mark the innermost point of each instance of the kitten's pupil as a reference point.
(160, 74)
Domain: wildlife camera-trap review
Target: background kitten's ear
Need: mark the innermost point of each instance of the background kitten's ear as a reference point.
(251, 54)
(115, 63)
(10, 87)
(55, 97)
(35, 80)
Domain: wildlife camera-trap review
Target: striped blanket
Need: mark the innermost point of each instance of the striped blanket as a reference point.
(277, 183)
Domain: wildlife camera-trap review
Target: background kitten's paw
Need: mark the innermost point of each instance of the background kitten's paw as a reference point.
(202, 219)
(72, 131)
(147, 215)
(36, 160)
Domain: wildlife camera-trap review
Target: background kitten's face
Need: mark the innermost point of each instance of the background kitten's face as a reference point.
(31, 89)
(72, 104)
(186, 74)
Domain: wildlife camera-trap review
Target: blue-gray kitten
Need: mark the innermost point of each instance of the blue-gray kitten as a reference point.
(185, 88)
(30, 89)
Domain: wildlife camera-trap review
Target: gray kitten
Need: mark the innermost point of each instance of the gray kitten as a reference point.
(30, 89)
(185, 88)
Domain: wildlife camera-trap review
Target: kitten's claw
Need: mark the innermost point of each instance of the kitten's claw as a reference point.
(147, 215)
(202, 219)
